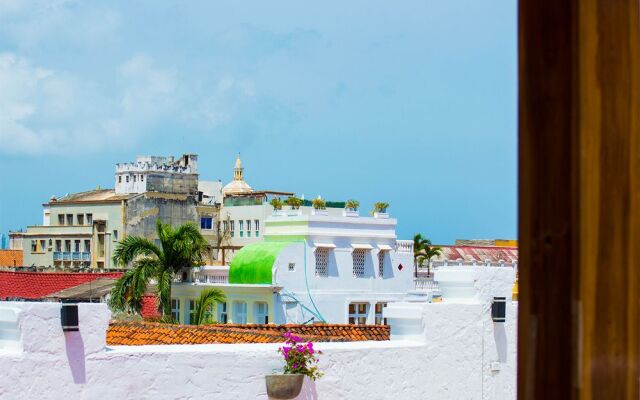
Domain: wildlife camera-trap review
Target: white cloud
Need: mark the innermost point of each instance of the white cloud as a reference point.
(149, 90)
(44, 111)
(219, 105)
(48, 111)
(33, 23)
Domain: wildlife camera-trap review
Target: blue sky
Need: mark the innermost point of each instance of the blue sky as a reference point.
(413, 103)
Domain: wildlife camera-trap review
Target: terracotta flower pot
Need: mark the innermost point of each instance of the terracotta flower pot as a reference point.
(284, 386)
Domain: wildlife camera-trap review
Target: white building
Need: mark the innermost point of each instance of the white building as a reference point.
(158, 174)
(310, 268)
(245, 210)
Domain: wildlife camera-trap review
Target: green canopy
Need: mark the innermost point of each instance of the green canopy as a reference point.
(253, 263)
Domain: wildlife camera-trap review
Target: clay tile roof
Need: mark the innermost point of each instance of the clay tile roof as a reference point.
(35, 285)
(478, 253)
(137, 334)
(10, 258)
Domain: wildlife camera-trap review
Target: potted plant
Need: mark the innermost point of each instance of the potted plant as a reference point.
(351, 208)
(300, 360)
(295, 204)
(380, 210)
(276, 203)
(319, 206)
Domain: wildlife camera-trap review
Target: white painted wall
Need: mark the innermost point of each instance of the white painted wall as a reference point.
(333, 293)
(462, 354)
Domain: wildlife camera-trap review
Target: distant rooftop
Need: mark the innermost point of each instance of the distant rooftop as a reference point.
(481, 254)
(37, 285)
(10, 258)
(138, 334)
(91, 196)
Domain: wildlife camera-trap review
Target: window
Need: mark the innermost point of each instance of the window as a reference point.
(241, 227)
(292, 267)
(232, 225)
(67, 246)
(379, 319)
(135, 178)
(256, 224)
(222, 313)
(60, 219)
(76, 246)
(87, 246)
(248, 228)
(141, 178)
(322, 261)
(206, 223)
(127, 179)
(43, 246)
(239, 312)
(358, 313)
(89, 219)
(358, 256)
(192, 311)
(225, 226)
(69, 219)
(34, 246)
(261, 313)
(80, 218)
(115, 235)
(175, 309)
(381, 259)
(58, 245)
(119, 178)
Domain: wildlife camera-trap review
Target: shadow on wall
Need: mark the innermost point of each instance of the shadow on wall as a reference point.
(308, 391)
(500, 336)
(75, 354)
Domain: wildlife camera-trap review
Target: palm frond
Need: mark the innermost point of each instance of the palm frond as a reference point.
(131, 247)
(205, 303)
(164, 280)
(127, 293)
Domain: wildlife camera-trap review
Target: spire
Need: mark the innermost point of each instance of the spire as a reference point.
(238, 170)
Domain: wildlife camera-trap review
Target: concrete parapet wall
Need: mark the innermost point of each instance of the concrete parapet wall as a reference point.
(460, 354)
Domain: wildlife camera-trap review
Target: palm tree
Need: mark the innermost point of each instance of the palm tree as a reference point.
(204, 305)
(429, 252)
(423, 250)
(180, 248)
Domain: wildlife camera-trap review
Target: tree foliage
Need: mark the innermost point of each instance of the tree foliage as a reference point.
(180, 248)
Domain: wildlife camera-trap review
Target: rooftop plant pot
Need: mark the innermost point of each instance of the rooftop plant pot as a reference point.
(284, 386)
(319, 211)
(350, 212)
(381, 214)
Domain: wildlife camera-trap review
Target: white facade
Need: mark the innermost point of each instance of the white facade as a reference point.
(134, 177)
(340, 269)
(459, 353)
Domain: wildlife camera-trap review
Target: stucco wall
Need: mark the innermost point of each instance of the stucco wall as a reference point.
(462, 354)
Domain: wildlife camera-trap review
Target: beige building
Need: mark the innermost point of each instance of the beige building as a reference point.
(78, 231)
(81, 230)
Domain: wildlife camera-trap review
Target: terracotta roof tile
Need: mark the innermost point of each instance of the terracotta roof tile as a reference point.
(137, 334)
(478, 253)
(35, 285)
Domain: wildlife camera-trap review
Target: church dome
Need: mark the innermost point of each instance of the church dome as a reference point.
(237, 185)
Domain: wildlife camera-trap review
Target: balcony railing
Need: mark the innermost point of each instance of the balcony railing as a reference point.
(465, 263)
(404, 246)
(86, 256)
(57, 256)
(215, 278)
(75, 256)
(426, 284)
(66, 256)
